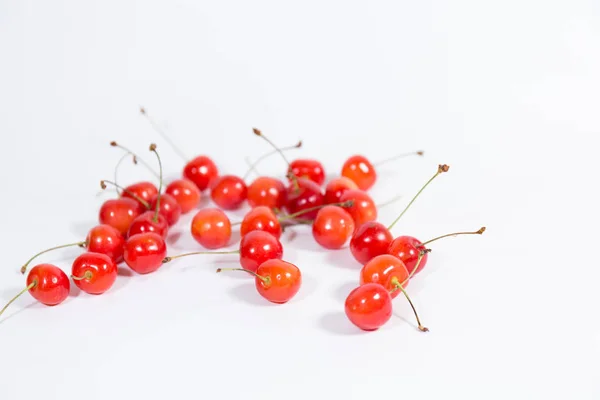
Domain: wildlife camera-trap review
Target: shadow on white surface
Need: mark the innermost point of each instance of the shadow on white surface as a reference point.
(341, 292)
(336, 323)
(246, 293)
(81, 229)
(343, 259)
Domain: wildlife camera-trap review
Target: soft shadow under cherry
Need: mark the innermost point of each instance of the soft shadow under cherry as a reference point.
(336, 323)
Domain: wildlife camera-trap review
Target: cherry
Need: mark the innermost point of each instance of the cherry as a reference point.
(94, 273)
(142, 190)
(46, 283)
(186, 193)
(337, 187)
(228, 192)
(119, 213)
(359, 169)
(255, 248)
(373, 238)
(369, 306)
(309, 169)
(142, 204)
(169, 208)
(144, 252)
(266, 191)
(211, 228)
(332, 227)
(302, 195)
(364, 208)
(276, 280)
(106, 240)
(408, 248)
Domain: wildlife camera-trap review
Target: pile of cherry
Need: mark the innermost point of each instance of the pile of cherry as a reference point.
(133, 228)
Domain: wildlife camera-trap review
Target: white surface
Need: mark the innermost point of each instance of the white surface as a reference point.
(507, 93)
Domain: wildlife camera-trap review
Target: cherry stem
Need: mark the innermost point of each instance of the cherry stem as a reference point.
(135, 196)
(163, 134)
(171, 258)
(265, 279)
(266, 155)
(421, 327)
(86, 276)
(117, 169)
(478, 232)
(394, 158)
(153, 149)
(348, 203)
(441, 168)
(80, 244)
(421, 255)
(30, 286)
(290, 173)
(136, 158)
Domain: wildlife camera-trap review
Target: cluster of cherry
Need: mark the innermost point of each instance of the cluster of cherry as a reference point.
(134, 226)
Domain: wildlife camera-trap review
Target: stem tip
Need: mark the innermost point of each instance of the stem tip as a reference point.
(166, 260)
(420, 152)
(152, 147)
(102, 185)
(481, 230)
(443, 168)
(256, 132)
(113, 143)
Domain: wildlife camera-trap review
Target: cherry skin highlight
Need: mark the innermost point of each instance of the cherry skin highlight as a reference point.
(308, 169)
(186, 193)
(94, 273)
(261, 218)
(269, 192)
(387, 271)
(106, 240)
(256, 247)
(337, 187)
(169, 208)
(51, 284)
(142, 190)
(228, 192)
(370, 240)
(144, 253)
(211, 228)
(146, 223)
(407, 249)
(201, 170)
(306, 195)
(333, 227)
(363, 210)
(360, 170)
(369, 306)
(119, 213)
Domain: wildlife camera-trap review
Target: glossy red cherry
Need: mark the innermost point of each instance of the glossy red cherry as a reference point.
(149, 222)
(333, 227)
(308, 169)
(276, 280)
(145, 252)
(201, 170)
(256, 247)
(387, 271)
(369, 306)
(94, 273)
(106, 240)
(269, 192)
(186, 193)
(211, 228)
(363, 210)
(370, 240)
(261, 218)
(228, 192)
(119, 213)
(304, 194)
(141, 190)
(337, 187)
(169, 208)
(46, 283)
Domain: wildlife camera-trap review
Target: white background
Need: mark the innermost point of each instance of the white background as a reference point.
(506, 93)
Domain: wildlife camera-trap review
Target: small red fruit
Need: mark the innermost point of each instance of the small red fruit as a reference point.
(387, 271)
(145, 252)
(119, 213)
(228, 192)
(106, 240)
(261, 218)
(94, 273)
(145, 191)
(308, 169)
(269, 192)
(186, 193)
(333, 226)
(211, 228)
(256, 247)
(303, 194)
(169, 208)
(369, 306)
(337, 187)
(201, 170)
(370, 240)
(363, 210)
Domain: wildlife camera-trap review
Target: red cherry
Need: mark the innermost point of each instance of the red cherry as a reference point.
(228, 192)
(256, 247)
(369, 306)
(145, 252)
(186, 193)
(201, 170)
(149, 222)
(276, 280)
(332, 227)
(363, 210)
(387, 271)
(308, 169)
(119, 213)
(269, 192)
(106, 240)
(169, 208)
(261, 218)
(142, 190)
(370, 240)
(359, 169)
(303, 194)
(94, 273)
(211, 228)
(337, 187)
(46, 283)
